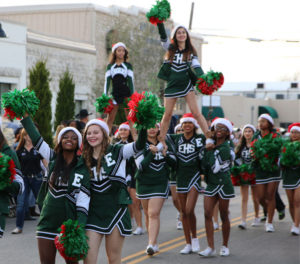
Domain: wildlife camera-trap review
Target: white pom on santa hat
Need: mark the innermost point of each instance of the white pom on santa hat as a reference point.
(222, 121)
(188, 117)
(268, 117)
(117, 45)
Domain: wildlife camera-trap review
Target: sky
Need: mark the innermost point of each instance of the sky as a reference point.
(227, 26)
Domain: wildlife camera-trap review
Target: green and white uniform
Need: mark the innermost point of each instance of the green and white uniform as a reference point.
(188, 166)
(14, 189)
(244, 158)
(179, 74)
(122, 78)
(64, 200)
(153, 172)
(291, 177)
(216, 166)
(262, 176)
(109, 195)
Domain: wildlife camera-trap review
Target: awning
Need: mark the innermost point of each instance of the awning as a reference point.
(267, 110)
(216, 111)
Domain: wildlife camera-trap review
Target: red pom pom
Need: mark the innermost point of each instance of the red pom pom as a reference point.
(110, 107)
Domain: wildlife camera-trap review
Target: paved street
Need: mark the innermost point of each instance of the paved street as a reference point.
(253, 245)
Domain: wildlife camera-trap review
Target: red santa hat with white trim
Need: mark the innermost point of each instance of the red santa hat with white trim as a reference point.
(222, 121)
(117, 45)
(268, 117)
(124, 125)
(100, 122)
(294, 127)
(188, 117)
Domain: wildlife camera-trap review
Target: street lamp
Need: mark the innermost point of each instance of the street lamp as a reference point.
(2, 33)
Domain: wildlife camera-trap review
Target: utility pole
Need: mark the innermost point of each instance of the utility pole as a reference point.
(191, 16)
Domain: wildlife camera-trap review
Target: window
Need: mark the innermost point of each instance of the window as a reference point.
(4, 88)
(260, 86)
(279, 96)
(294, 85)
(298, 96)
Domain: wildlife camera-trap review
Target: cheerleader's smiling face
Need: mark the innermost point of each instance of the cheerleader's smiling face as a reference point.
(94, 135)
(221, 131)
(124, 133)
(120, 53)
(188, 127)
(69, 141)
(181, 35)
(295, 135)
(248, 133)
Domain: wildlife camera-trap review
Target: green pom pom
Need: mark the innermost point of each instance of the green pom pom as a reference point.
(159, 12)
(7, 171)
(19, 102)
(104, 104)
(290, 154)
(235, 170)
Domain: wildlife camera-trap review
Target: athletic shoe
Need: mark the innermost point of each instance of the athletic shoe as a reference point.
(242, 225)
(150, 250)
(195, 245)
(138, 231)
(208, 252)
(186, 250)
(179, 225)
(224, 251)
(216, 226)
(16, 231)
(281, 214)
(269, 227)
(256, 222)
(295, 230)
(156, 248)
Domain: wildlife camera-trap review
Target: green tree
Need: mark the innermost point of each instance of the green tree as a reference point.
(65, 105)
(39, 83)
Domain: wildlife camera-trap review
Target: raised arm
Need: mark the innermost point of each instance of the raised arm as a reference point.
(165, 42)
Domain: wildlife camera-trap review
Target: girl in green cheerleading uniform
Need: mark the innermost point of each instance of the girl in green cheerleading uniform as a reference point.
(291, 176)
(180, 69)
(243, 156)
(17, 186)
(216, 165)
(152, 184)
(108, 212)
(267, 181)
(119, 73)
(65, 193)
(187, 147)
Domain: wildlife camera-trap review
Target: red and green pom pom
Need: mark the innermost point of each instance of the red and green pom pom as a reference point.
(72, 241)
(145, 110)
(290, 154)
(104, 104)
(16, 103)
(266, 152)
(7, 171)
(210, 82)
(243, 174)
(159, 12)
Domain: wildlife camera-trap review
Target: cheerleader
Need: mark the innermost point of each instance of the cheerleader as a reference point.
(65, 193)
(267, 181)
(291, 180)
(187, 147)
(17, 186)
(108, 213)
(125, 137)
(216, 165)
(152, 184)
(180, 69)
(243, 156)
(119, 72)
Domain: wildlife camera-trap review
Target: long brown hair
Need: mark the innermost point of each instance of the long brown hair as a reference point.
(22, 139)
(189, 48)
(2, 140)
(113, 56)
(87, 152)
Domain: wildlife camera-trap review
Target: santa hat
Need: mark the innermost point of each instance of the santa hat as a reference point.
(268, 117)
(177, 127)
(116, 133)
(248, 126)
(294, 127)
(176, 28)
(100, 122)
(117, 45)
(188, 117)
(124, 125)
(222, 121)
(67, 129)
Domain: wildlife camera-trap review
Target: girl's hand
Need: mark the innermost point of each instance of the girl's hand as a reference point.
(153, 149)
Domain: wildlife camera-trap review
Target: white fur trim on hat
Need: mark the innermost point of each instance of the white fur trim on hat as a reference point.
(224, 122)
(124, 126)
(175, 29)
(178, 126)
(296, 128)
(98, 122)
(189, 119)
(268, 117)
(248, 126)
(65, 130)
(117, 45)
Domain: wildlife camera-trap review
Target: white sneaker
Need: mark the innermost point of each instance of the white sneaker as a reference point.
(156, 248)
(138, 231)
(243, 225)
(179, 225)
(208, 252)
(256, 222)
(195, 245)
(295, 230)
(224, 251)
(186, 250)
(216, 226)
(150, 250)
(269, 227)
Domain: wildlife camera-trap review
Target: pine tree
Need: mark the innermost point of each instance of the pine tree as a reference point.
(65, 105)
(39, 83)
